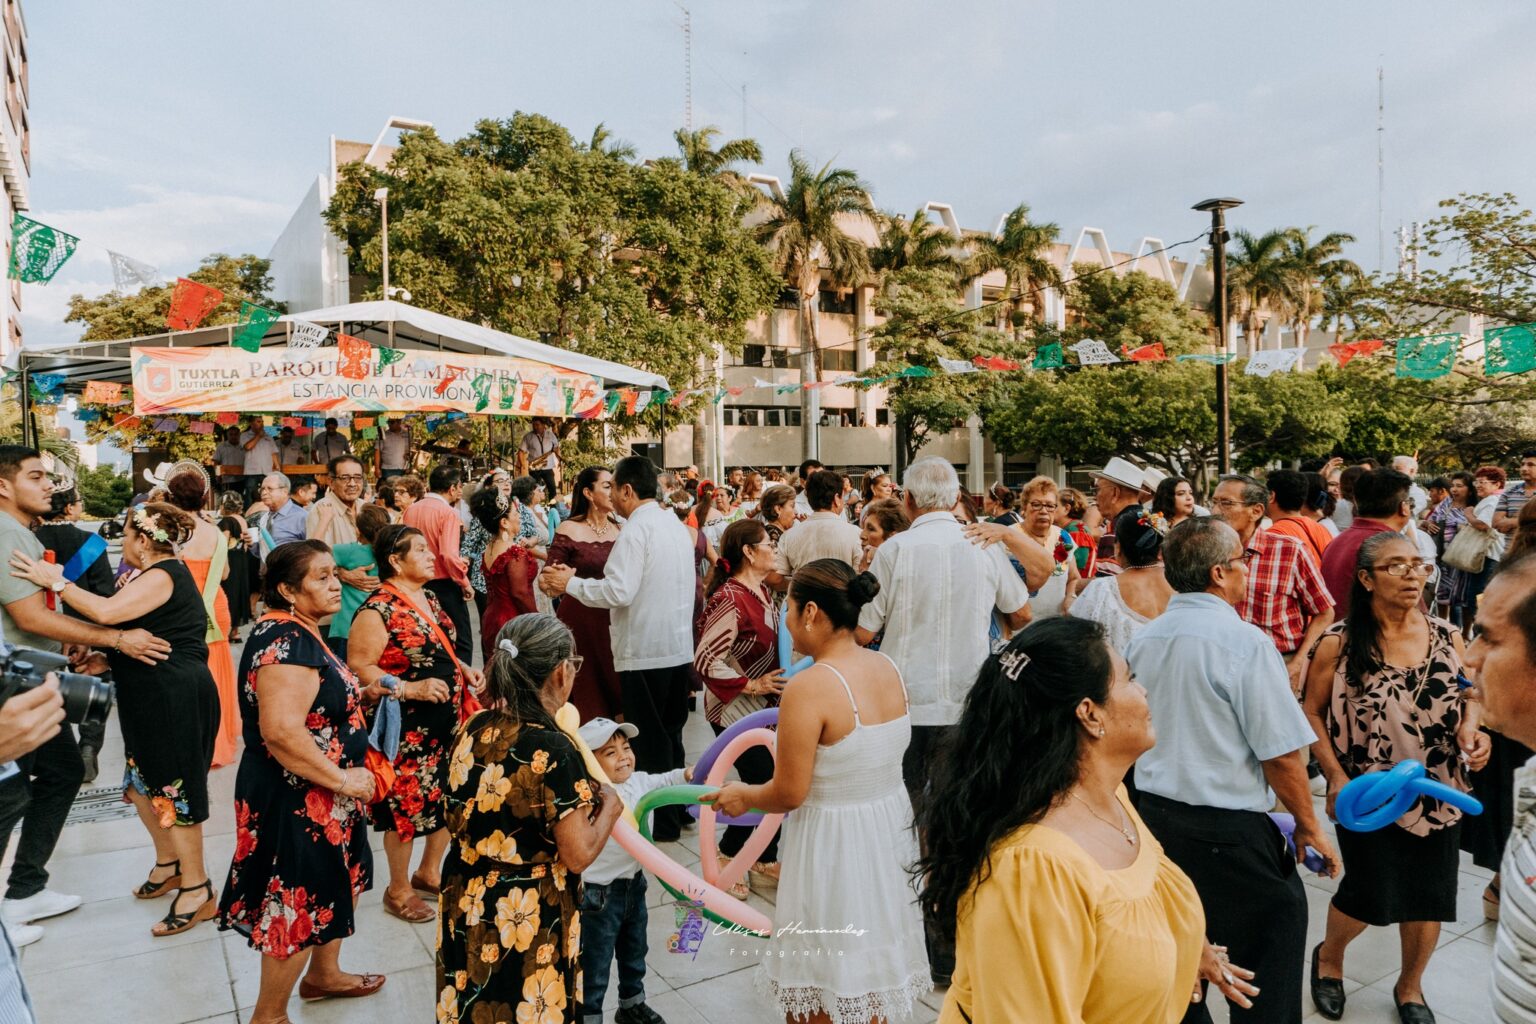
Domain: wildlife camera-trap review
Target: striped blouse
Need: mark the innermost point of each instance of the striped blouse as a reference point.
(738, 641)
(1514, 945)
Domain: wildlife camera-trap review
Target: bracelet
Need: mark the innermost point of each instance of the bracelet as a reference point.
(117, 642)
(341, 788)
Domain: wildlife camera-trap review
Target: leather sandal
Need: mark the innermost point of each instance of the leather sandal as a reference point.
(177, 921)
(421, 885)
(370, 984)
(1327, 993)
(764, 876)
(741, 890)
(415, 911)
(1491, 902)
(154, 890)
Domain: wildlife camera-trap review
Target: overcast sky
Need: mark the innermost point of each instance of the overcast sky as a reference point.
(169, 131)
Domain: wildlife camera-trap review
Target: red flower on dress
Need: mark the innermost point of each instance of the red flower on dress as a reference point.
(245, 835)
(315, 721)
(318, 804)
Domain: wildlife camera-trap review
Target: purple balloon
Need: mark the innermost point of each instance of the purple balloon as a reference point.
(765, 718)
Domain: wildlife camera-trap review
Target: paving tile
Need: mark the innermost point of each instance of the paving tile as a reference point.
(166, 986)
(408, 996)
(104, 931)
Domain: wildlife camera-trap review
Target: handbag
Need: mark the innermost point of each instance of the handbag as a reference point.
(382, 769)
(1468, 550)
(470, 705)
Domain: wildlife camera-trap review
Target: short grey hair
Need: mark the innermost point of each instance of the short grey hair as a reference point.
(1254, 493)
(1405, 464)
(1192, 549)
(280, 478)
(932, 483)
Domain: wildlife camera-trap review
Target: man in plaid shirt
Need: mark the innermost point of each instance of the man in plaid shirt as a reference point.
(1287, 597)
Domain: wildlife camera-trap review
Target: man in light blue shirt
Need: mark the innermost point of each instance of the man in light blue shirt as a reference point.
(285, 517)
(1230, 736)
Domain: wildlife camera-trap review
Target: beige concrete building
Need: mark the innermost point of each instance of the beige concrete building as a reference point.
(15, 156)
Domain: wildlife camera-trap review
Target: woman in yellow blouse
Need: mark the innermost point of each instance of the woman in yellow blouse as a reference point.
(1062, 904)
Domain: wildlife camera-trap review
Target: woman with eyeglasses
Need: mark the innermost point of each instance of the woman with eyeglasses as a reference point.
(1381, 688)
(1038, 530)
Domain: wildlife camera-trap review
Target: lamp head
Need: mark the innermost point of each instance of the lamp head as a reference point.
(1217, 204)
(380, 195)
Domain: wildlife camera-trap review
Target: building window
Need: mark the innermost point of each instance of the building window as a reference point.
(882, 417)
(844, 303)
(841, 360)
(789, 298)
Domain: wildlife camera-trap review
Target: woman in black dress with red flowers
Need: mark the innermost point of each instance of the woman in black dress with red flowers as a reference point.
(401, 647)
(301, 841)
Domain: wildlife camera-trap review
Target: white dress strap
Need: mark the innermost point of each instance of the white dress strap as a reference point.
(847, 690)
(899, 678)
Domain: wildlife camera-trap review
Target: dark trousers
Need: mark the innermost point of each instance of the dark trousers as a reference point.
(916, 770)
(452, 599)
(613, 922)
(1254, 901)
(39, 797)
(755, 766)
(547, 478)
(655, 701)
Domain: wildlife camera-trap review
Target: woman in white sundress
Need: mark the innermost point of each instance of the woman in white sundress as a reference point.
(848, 934)
(1123, 604)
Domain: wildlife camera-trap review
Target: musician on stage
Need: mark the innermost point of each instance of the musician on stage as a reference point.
(543, 450)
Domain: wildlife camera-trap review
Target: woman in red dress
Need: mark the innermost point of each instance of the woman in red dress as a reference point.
(584, 542)
(509, 567)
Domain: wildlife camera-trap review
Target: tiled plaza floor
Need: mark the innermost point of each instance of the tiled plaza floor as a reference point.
(101, 963)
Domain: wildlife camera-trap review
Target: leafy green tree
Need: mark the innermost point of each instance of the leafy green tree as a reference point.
(104, 491)
(116, 317)
(1318, 266)
(1019, 250)
(700, 155)
(520, 227)
(924, 325)
(803, 233)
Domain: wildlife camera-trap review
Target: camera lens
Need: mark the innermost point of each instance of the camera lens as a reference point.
(86, 698)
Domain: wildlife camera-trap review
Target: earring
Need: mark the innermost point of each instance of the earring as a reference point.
(1101, 733)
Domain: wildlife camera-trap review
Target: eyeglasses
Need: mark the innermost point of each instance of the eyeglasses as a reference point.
(1043, 506)
(576, 661)
(1241, 560)
(1229, 503)
(352, 478)
(1400, 569)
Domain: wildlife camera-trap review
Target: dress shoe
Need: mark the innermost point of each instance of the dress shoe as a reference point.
(1327, 993)
(1413, 1013)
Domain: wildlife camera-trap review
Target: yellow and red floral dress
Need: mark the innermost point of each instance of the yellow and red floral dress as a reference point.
(301, 850)
(414, 805)
(509, 932)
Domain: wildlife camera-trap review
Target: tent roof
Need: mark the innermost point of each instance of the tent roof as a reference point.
(407, 327)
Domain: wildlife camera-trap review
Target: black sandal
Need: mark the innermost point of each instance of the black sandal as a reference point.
(177, 922)
(154, 890)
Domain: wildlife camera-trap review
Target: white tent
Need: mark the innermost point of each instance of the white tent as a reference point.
(384, 322)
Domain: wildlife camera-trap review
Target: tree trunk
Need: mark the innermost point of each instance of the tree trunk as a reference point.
(700, 430)
(810, 364)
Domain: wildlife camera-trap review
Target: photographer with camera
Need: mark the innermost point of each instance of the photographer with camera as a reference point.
(40, 794)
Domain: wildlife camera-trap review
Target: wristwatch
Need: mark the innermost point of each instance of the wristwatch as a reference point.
(58, 586)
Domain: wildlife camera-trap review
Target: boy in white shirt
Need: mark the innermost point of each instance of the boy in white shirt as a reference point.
(613, 915)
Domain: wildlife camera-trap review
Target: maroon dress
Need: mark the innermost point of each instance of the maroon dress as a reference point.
(508, 593)
(596, 691)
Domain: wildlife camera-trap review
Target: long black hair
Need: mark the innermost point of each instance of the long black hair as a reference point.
(1362, 635)
(1019, 755)
(1162, 498)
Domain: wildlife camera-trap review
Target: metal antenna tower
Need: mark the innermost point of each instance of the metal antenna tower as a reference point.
(687, 66)
(1381, 171)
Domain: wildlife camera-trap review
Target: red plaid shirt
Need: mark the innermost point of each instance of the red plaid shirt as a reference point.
(1285, 588)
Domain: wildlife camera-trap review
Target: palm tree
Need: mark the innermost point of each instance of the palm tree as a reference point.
(917, 242)
(1343, 302)
(803, 232)
(701, 156)
(1261, 277)
(604, 142)
(1317, 265)
(1019, 251)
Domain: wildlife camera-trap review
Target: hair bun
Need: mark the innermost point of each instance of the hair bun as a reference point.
(863, 588)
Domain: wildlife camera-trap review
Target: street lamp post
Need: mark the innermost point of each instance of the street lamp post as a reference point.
(381, 196)
(1218, 208)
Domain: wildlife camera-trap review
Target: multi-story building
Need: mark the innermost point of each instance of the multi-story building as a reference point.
(15, 157)
(760, 427)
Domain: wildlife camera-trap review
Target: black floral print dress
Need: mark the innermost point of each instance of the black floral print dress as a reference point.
(414, 805)
(509, 932)
(301, 850)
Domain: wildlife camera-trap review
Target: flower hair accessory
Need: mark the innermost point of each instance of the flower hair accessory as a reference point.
(150, 525)
(723, 565)
(508, 646)
(502, 504)
(1012, 663)
(1156, 521)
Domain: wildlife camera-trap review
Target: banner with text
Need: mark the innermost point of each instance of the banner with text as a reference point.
(224, 379)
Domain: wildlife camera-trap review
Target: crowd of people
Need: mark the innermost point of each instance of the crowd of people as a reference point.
(1034, 758)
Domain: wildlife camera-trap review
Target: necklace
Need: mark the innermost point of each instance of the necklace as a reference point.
(605, 531)
(1124, 829)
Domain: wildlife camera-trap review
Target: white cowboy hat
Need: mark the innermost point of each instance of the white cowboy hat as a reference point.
(1122, 473)
(1151, 478)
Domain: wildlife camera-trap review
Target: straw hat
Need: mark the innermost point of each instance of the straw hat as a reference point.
(1122, 473)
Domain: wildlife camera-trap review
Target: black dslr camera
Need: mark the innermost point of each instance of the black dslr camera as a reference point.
(86, 698)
